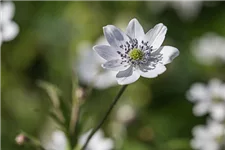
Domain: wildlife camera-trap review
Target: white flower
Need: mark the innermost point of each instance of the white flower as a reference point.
(97, 142)
(209, 48)
(125, 113)
(8, 28)
(135, 53)
(186, 10)
(209, 98)
(57, 141)
(210, 137)
(89, 70)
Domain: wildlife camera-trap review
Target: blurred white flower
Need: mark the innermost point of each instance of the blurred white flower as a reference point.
(134, 53)
(8, 28)
(97, 142)
(186, 10)
(125, 113)
(57, 141)
(209, 137)
(209, 48)
(89, 70)
(208, 98)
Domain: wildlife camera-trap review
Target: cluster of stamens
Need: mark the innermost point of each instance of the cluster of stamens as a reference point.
(137, 53)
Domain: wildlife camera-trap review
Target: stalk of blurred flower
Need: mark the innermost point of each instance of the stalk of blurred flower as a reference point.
(57, 113)
(209, 137)
(124, 114)
(8, 28)
(208, 99)
(209, 48)
(53, 93)
(58, 141)
(187, 10)
(24, 139)
(77, 99)
(133, 54)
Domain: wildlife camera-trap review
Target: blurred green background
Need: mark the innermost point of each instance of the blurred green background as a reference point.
(46, 48)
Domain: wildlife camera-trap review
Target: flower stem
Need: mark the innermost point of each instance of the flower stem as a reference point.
(34, 141)
(105, 117)
(75, 108)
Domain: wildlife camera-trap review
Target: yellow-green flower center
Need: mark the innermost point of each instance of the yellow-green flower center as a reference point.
(136, 54)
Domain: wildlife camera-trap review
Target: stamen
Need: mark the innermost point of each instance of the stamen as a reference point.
(139, 53)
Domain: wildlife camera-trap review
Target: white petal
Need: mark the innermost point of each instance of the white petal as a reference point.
(105, 79)
(116, 65)
(198, 92)
(125, 113)
(98, 142)
(135, 30)
(215, 127)
(215, 86)
(104, 144)
(156, 36)
(57, 141)
(88, 64)
(201, 108)
(159, 69)
(218, 112)
(196, 144)
(199, 131)
(211, 145)
(168, 53)
(106, 52)
(9, 31)
(127, 76)
(7, 11)
(115, 36)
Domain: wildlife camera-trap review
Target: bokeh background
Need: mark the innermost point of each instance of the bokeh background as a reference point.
(47, 47)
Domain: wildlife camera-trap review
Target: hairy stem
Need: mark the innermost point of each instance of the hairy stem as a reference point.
(105, 117)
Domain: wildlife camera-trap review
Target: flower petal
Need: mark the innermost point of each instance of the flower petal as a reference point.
(198, 92)
(115, 36)
(7, 11)
(218, 112)
(127, 76)
(159, 69)
(116, 65)
(156, 36)
(216, 88)
(135, 30)
(9, 31)
(168, 53)
(106, 52)
(201, 108)
(105, 79)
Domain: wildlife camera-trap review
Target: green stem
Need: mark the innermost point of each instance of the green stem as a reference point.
(105, 117)
(75, 108)
(34, 141)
